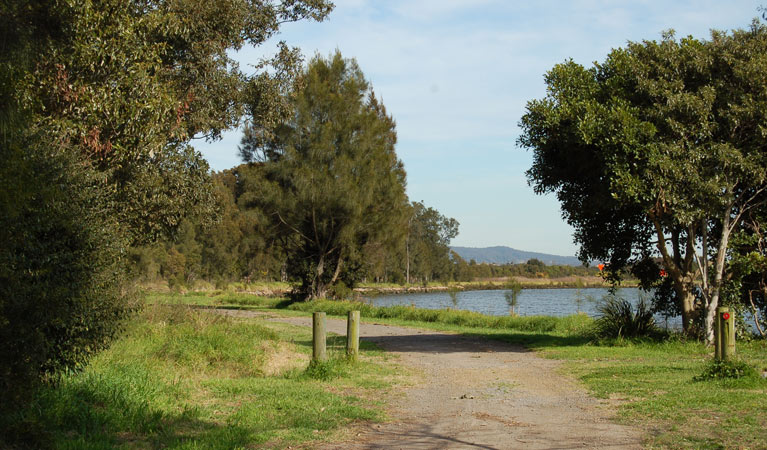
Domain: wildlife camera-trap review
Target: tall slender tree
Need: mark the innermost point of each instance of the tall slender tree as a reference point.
(332, 181)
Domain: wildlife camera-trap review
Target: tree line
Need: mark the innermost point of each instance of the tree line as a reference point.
(244, 246)
(101, 183)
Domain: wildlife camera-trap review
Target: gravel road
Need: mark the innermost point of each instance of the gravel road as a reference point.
(480, 394)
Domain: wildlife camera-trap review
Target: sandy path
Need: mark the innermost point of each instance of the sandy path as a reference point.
(482, 394)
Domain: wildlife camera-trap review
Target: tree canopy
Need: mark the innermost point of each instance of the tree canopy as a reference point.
(130, 84)
(332, 181)
(658, 152)
(101, 101)
(428, 243)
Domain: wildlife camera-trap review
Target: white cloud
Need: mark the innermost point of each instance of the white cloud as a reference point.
(456, 75)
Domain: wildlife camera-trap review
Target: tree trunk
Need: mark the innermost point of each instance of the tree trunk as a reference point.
(710, 318)
(716, 285)
(318, 288)
(687, 305)
(680, 275)
(337, 271)
(407, 257)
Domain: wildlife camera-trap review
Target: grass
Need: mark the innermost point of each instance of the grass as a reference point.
(656, 385)
(185, 378)
(456, 317)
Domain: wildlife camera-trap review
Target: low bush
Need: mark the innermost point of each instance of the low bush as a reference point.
(327, 370)
(63, 289)
(734, 369)
(619, 319)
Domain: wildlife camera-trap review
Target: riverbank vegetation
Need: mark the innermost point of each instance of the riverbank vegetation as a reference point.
(189, 378)
(181, 377)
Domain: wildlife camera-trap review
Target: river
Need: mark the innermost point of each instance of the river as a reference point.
(546, 302)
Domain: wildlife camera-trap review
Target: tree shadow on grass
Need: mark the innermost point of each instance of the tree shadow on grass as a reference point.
(536, 341)
(80, 415)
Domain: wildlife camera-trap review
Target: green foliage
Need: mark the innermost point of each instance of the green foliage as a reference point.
(100, 101)
(657, 153)
(327, 370)
(341, 291)
(716, 369)
(331, 182)
(428, 244)
(512, 295)
(63, 294)
(470, 271)
(128, 84)
(619, 319)
(747, 287)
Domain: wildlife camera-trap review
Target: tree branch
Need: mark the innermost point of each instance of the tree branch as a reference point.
(277, 213)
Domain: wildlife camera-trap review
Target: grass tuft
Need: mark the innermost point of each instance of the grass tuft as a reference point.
(732, 369)
(327, 370)
(619, 319)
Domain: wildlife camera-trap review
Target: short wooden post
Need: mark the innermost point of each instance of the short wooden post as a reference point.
(319, 348)
(353, 335)
(725, 334)
(718, 335)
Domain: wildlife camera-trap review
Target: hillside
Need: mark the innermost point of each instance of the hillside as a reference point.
(505, 255)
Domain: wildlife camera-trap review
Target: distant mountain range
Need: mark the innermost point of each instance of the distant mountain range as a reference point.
(506, 255)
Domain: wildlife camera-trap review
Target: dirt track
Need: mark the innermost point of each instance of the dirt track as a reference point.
(482, 394)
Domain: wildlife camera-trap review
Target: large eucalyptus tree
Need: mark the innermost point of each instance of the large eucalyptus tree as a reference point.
(658, 152)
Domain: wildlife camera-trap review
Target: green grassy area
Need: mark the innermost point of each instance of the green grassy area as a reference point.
(188, 378)
(652, 383)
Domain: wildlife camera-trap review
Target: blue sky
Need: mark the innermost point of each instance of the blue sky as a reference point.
(456, 75)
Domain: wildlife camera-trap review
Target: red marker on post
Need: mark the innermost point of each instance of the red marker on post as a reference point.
(726, 316)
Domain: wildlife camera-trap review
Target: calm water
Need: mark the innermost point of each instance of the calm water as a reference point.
(546, 302)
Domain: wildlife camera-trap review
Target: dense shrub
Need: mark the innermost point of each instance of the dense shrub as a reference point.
(619, 319)
(62, 291)
(730, 369)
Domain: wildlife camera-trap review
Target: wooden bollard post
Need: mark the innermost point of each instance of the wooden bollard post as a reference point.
(319, 348)
(718, 336)
(725, 334)
(353, 334)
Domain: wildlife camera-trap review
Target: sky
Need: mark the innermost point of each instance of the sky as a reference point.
(456, 76)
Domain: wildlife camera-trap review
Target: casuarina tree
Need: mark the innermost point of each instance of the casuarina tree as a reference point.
(331, 180)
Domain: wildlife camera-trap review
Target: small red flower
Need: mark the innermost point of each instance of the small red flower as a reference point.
(601, 267)
(663, 273)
